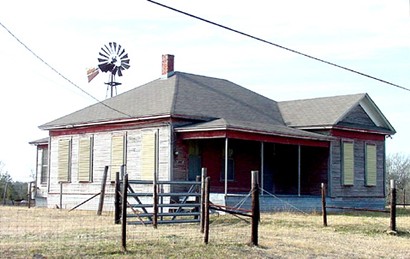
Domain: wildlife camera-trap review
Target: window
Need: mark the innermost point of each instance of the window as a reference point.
(64, 160)
(194, 160)
(117, 154)
(347, 163)
(371, 165)
(148, 156)
(231, 167)
(44, 165)
(85, 160)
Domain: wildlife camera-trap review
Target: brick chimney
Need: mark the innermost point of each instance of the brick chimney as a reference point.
(167, 65)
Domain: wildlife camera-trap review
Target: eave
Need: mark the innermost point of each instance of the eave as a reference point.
(253, 135)
(103, 122)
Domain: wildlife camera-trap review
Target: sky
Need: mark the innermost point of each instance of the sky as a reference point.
(369, 36)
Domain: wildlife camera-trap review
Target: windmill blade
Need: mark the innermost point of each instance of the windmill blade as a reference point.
(111, 48)
(105, 67)
(108, 50)
(125, 61)
(105, 51)
(101, 60)
(103, 55)
(125, 66)
(115, 47)
(118, 49)
(119, 72)
(115, 70)
(122, 53)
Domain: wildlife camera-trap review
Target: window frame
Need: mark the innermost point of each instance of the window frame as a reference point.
(347, 165)
(370, 178)
(64, 171)
(44, 165)
(114, 165)
(88, 151)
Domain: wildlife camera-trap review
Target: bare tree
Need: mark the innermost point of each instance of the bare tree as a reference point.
(398, 169)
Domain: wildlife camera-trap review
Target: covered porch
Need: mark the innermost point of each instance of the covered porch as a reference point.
(290, 167)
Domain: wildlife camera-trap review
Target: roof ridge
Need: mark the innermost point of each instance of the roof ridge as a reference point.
(347, 111)
(176, 90)
(324, 97)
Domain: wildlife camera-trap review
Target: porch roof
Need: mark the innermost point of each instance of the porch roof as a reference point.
(249, 128)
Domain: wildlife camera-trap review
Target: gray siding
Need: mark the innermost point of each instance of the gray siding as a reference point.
(359, 188)
(358, 117)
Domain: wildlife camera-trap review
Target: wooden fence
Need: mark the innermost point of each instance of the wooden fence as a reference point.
(392, 211)
(254, 213)
(130, 206)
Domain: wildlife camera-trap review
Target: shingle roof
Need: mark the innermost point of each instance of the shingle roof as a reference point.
(329, 111)
(39, 141)
(218, 103)
(323, 111)
(183, 94)
(255, 127)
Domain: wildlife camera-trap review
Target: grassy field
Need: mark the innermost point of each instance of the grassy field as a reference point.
(52, 233)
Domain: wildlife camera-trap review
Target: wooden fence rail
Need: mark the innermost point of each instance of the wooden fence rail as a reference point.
(392, 210)
(254, 213)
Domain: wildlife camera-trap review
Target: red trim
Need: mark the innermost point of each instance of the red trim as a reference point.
(357, 135)
(252, 137)
(107, 127)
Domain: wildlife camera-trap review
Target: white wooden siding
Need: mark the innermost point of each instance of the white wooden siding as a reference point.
(75, 191)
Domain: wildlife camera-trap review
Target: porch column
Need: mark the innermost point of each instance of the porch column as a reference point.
(226, 167)
(262, 166)
(299, 172)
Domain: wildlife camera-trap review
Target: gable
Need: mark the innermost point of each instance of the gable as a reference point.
(357, 118)
(356, 111)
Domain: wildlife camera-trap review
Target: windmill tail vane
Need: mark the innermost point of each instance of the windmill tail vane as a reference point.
(92, 73)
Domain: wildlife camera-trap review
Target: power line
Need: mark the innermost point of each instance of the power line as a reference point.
(61, 75)
(277, 45)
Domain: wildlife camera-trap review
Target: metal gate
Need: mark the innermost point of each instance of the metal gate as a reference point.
(157, 202)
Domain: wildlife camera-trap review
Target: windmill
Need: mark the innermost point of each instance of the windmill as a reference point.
(112, 59)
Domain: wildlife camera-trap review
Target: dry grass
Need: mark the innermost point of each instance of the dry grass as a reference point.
(78, 234)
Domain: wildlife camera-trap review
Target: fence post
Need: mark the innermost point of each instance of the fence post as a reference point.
(5, 193)
(393, 206)
(324, 213)
(117, 212)
(202, 209)
(255, 207)
(29, 195)
(124, 213)
(61, 195)
(206, 209)
(102, 193)
(197, 198)
(155, 205)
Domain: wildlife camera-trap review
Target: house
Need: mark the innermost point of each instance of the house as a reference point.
(214, 123)
(41, 176)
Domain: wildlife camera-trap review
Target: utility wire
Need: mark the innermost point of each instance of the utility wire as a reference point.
(277, 45)
(61, 75)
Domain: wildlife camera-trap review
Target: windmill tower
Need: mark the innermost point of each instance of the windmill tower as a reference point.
(112, 59)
